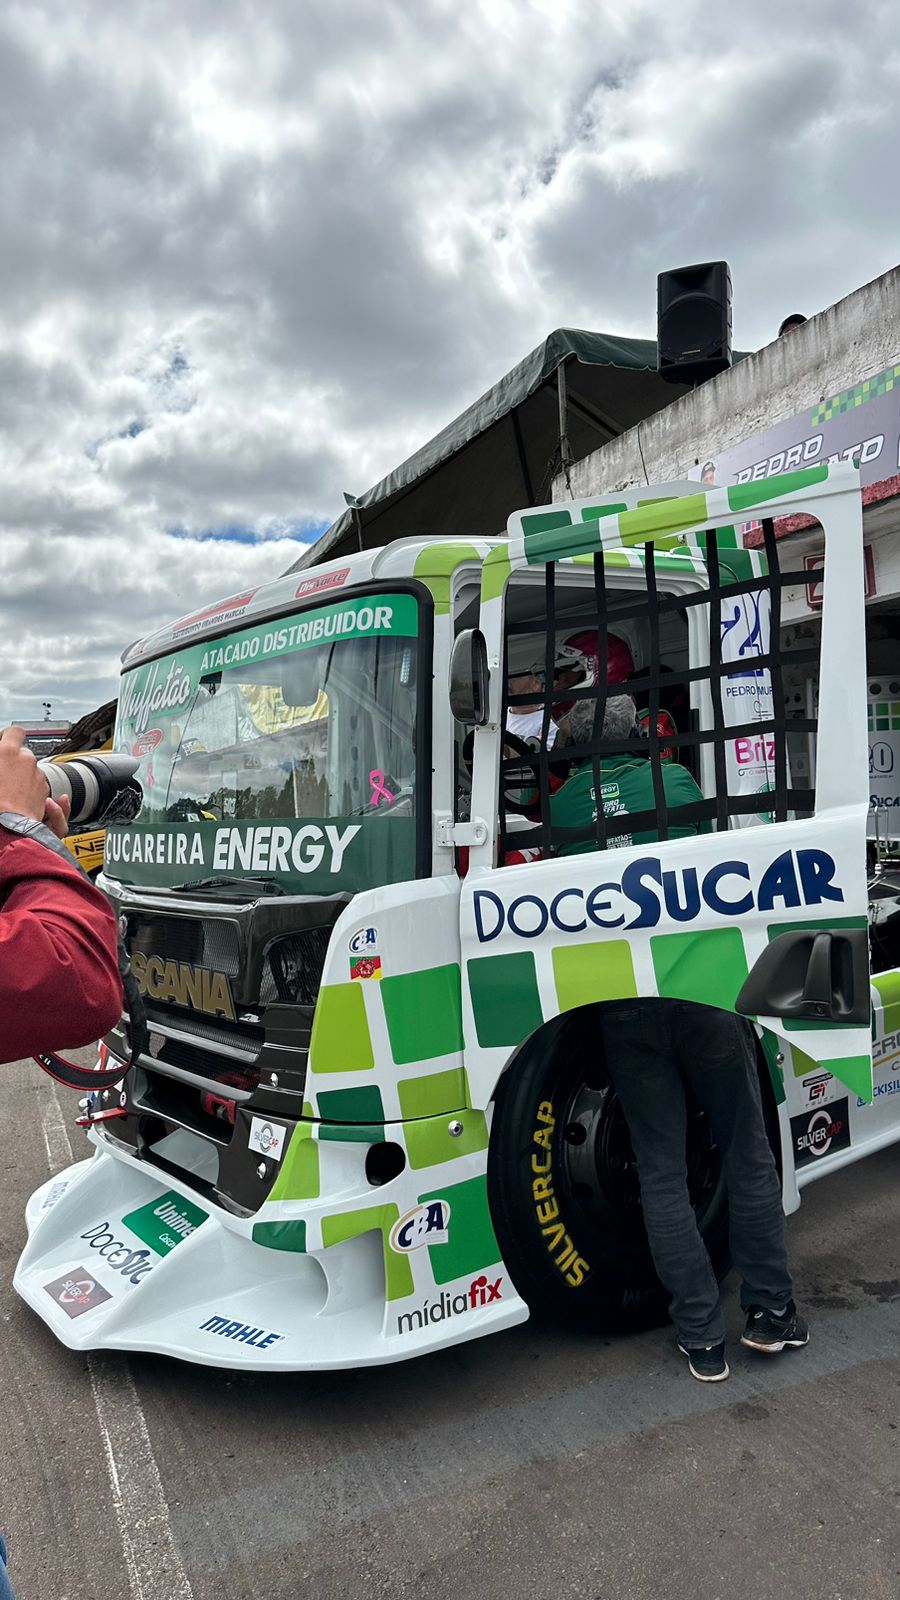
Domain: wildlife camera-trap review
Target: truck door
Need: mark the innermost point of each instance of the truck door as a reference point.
(763, 911)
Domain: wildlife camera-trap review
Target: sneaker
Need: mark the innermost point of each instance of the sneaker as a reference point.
(706, 1361)
(771, 1334)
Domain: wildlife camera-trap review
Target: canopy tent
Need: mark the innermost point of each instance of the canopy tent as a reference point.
(572, 394)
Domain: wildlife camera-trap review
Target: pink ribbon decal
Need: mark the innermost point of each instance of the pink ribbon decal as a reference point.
(380, 791)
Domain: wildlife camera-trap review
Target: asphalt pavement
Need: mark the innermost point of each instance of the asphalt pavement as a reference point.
(530, 1463)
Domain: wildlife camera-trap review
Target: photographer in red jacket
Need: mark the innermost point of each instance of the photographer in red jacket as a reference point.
(59, 972)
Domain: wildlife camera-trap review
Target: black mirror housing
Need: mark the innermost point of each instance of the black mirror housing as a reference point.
(469, 678)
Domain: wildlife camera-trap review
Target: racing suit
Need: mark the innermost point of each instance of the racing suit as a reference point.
(59, 975)
(653, 1049)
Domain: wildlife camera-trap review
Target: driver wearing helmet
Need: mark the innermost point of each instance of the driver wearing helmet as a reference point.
(620, 668)
(578, 664)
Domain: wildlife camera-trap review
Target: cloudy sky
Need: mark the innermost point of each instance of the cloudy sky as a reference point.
(253, 255)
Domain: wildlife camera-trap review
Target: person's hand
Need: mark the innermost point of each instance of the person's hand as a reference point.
(23, 789)
(56, 815)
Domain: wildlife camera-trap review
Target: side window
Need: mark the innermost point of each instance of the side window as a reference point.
(674, 699)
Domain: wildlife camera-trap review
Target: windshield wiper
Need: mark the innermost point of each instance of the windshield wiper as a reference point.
(255, 886)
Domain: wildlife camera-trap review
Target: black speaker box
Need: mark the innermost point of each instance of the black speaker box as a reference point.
(693, 322)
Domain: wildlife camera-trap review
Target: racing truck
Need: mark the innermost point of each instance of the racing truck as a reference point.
(372, 1116)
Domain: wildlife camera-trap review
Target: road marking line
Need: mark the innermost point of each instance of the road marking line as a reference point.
(155, 1570)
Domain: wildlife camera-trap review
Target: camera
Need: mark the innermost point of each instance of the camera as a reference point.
(102, 788)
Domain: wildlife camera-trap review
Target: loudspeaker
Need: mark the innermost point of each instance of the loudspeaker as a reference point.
(693, 322)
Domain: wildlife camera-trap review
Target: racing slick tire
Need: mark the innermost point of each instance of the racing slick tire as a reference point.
(563, 1187)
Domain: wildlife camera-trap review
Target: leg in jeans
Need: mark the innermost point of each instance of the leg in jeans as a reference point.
(717, 1056)
(642, 1064)
(6, 1590)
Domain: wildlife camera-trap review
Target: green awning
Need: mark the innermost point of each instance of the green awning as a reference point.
(503, 452)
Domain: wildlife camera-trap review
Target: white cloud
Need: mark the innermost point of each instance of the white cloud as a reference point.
(254, 257)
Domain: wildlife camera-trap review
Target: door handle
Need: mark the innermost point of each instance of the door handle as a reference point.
(811, 974)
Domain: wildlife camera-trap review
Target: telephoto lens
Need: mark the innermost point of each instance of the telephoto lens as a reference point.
(102, 788)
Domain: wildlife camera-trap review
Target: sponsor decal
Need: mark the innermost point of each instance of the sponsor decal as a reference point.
(119, 1256)
(891, 1087)
(425, 1224)
(884, 1049)
(77, 1292)
(54, 1193)
(165, 1222)
(816, 1086)
(820, 1133)
(755, 752)
(164, 688)
(147, 742)
(183, 985)
(481, 1292)
(243, 1332)
(267, 847)
(562, 1252)
(364, 959)
(267, 1138)
(328, 580)
(317, 628)
(365, 967)
(147, 693)
(223, 611)
(646, 895)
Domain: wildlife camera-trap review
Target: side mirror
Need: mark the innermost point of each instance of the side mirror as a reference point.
(469, 679)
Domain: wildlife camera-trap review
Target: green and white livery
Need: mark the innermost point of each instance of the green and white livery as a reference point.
(373, 1118)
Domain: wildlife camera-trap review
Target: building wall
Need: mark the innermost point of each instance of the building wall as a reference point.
(851, 341)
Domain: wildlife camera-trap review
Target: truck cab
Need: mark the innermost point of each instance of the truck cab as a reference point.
(366, 1027)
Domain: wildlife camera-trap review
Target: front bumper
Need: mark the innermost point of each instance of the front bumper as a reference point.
(122, 1255)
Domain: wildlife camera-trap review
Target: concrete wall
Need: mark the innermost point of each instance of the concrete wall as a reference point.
(849, 342)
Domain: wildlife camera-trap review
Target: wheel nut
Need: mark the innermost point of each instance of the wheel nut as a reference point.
(273, 1079)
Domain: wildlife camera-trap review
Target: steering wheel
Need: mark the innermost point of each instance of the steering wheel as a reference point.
(525, 775)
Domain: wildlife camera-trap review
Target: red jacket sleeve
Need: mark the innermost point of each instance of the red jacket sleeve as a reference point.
(59, 973)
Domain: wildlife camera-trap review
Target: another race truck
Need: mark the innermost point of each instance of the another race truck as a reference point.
(374, 1117)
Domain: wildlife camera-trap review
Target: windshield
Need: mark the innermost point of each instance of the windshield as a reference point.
(285, 749)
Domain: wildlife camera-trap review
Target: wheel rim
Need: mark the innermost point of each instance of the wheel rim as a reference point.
(598, 1172)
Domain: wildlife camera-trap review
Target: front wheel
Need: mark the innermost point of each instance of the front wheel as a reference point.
(564, 1191)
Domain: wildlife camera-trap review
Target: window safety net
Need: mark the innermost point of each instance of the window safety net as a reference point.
(779, 725)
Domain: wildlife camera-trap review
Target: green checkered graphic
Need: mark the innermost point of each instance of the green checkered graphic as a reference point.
(884, 716)
(848, 399)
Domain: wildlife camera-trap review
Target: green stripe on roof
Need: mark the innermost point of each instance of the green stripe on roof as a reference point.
(543, 521)
(664, 516)
(435, 568)
(594, 513)
(741, 496)
(494, 572)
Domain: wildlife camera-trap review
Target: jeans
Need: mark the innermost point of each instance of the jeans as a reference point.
(6, 1590)
(654, 1047)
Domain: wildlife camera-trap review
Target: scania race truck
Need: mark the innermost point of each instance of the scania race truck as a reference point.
(373, 1115)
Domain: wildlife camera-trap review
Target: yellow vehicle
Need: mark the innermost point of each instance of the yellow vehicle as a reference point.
(91, 735)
